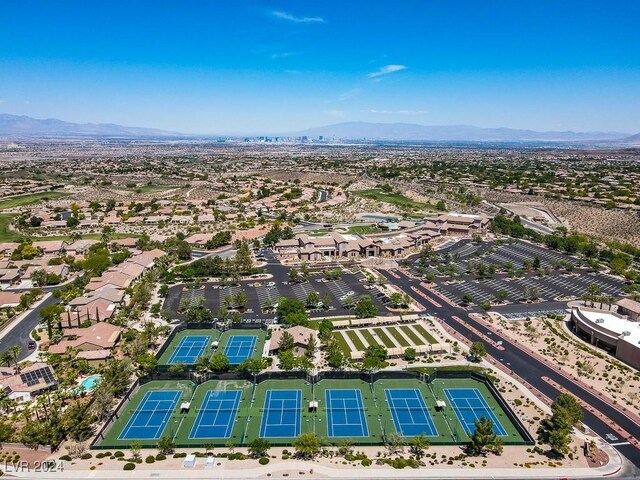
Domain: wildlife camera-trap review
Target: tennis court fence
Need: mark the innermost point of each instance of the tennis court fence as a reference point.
(245, 413)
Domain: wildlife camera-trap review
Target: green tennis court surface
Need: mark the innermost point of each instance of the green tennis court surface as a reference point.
(279, 410)
(238, 344)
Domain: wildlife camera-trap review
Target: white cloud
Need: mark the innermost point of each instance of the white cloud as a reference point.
(293, 18)
(386, 70)
(348, 94)
(399, 112)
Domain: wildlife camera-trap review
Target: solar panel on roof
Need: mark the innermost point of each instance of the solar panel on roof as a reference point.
(42, 375)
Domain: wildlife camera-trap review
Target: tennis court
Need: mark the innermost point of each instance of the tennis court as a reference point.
(217, 414)
(409, 412)
(150, 418)
(345, 414)
(281, 414)
(189, 349)
(469, 406)
(239, 348)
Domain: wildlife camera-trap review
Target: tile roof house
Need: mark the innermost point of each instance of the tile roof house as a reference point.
(31, 381)
(100, 336)
(9, 299)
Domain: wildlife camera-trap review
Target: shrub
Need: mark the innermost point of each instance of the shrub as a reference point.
(161, 456)
(366, 462)
(180, 455)
(118, 454)
(129, 466)
(86, 456)
(65, 458)
(263, 460)
(150, 459)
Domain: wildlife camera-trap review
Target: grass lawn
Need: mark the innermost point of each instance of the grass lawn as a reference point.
(355, 340)
(7, 235)
(427, 336)
(364, 229)
(317, 233)
(344, 346)
(369, 337)
(394, 198)
(28, 199)
(410, 333)
(382, 335)
(398, 336)
(153, 188)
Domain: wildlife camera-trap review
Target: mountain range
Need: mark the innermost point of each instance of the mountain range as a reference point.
(415, 132)
(23, 126)
(20, 126)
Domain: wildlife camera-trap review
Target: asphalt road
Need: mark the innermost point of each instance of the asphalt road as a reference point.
(529, 368)
(19, 334)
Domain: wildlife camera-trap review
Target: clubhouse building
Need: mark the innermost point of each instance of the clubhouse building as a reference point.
(405, 238)
(612, 331)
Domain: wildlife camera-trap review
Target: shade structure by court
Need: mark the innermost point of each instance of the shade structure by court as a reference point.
(363, 412)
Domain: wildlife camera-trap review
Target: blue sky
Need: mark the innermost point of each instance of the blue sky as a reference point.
(255, 66)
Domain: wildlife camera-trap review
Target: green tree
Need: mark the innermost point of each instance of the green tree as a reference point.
(374, 358)
(467, 299)
(410, 354)
(135, 448)
(313, 299)
(50, 314)
(483, 437)
(259, 447)
(183, 250)
(365, 308)
(287, 360)
(325, 328)
(419, 444)
(13, 352)
(219, 362)
(335, 355)
(566, 412)
(311, 347)
(559, 440)
(166, 445)
(78, 421)
(307, 446)
(477, 350)
(286, 342)
(293, 276)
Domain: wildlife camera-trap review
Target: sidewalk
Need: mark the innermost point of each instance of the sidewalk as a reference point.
(298, 469)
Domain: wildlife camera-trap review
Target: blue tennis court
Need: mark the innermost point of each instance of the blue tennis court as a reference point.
(239, 348)
(345, 414)
(281, 415)
(217, 414)
(469, 406)
(409, 412)
(152, 415)
(189, 349)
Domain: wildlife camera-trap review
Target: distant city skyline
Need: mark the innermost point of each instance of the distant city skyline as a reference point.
(245, 67)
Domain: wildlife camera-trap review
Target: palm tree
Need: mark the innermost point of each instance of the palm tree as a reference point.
(14, 351)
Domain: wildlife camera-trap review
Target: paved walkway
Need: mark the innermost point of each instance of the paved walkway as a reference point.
(302, 469)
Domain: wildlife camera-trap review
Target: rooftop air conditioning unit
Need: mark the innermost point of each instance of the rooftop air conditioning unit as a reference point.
(600, 320)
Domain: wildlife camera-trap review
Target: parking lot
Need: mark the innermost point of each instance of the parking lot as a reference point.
(464, 254)
(555, 286)
(336, 296)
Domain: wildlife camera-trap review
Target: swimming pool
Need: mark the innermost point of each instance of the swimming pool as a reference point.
(89, 383)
